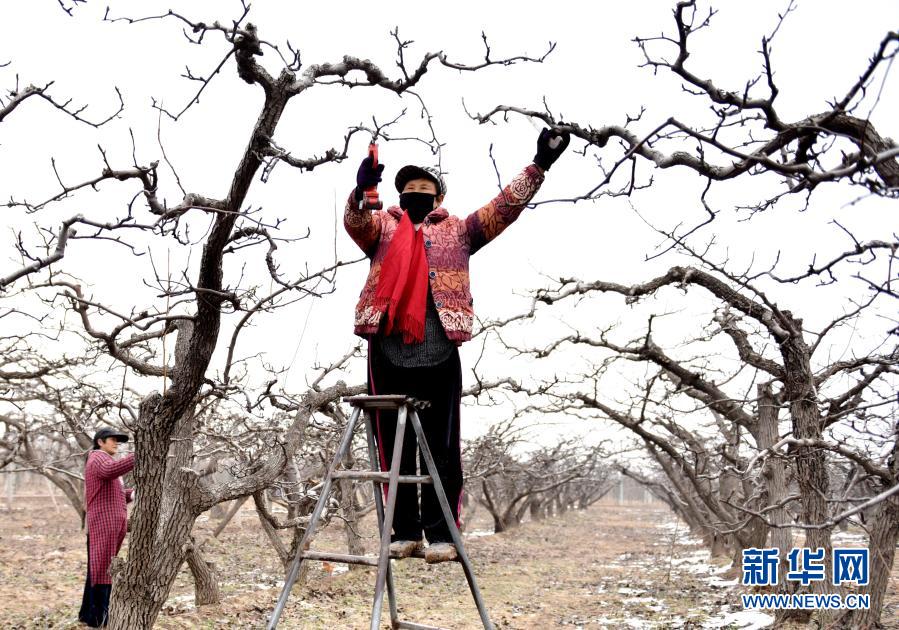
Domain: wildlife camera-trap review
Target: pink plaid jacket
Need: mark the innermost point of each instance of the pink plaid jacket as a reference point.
(105, 498)
(449, 242)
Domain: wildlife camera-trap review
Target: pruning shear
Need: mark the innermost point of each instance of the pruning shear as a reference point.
(555, 141)
(371, 194)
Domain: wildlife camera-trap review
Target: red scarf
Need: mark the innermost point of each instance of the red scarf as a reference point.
(403, 283)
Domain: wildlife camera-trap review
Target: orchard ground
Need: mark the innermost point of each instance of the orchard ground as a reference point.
(612, 566)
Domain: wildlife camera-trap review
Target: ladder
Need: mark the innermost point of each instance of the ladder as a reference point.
(406, 408)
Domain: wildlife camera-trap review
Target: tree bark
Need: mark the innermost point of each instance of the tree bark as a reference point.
(882, 543)
(206, 581)
(766, 433)
(811, 465)
(164, 517)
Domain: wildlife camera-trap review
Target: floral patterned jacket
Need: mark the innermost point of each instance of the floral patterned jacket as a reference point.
(449, 242)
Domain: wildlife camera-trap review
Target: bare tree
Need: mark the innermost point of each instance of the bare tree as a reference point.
(712, 426)
(746, 135)
(728, 485)
(178, 443)
(512, 483)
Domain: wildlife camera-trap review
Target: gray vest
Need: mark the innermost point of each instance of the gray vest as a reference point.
(436, 347)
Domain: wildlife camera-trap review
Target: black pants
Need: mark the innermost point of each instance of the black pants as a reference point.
(95, 600)
(442, 386)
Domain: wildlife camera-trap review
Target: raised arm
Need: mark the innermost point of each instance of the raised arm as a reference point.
(363, 225)
(108, 468)
(489, 221)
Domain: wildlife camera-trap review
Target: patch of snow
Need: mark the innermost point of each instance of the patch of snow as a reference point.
(696, 558)
(848, 538)
(724, 569)
(179, 601)
(743, 619)
(717, 582)
(630, 591)
(651, 603)
(478, 533)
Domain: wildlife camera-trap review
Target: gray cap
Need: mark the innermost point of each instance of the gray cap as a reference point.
(410, 172)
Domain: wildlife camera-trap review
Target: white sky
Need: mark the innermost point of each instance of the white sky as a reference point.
(591, 78)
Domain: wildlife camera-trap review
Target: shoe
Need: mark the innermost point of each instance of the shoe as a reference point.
(400, 549)
(440, 552)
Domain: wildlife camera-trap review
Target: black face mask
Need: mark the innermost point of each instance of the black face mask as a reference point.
(417, 204)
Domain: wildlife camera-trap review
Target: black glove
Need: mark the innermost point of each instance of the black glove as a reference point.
(367, 177)
(550, 145)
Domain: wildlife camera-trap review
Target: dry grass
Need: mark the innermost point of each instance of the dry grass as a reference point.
(627, 566)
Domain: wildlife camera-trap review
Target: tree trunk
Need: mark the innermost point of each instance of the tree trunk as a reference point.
(811, 465)
(160, 528)
(163, 518)
(774, 472)
(767, 433)
(206, 582)
(882, 544)
(538, 510)
(717, 544)
(274, 538)
(499, 525)
(753, 535)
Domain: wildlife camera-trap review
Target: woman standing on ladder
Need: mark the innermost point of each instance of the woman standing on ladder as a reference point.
(415, 310)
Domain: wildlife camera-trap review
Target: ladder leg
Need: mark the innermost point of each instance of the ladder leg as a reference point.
(393, 484)
(313, 522)
(374, 464)
(450, 521)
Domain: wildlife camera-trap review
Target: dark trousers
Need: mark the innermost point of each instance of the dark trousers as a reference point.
(95, 600)
(442, 386)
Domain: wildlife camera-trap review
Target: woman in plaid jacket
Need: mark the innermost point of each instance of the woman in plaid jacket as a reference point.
(415, 309)
(105, 497)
